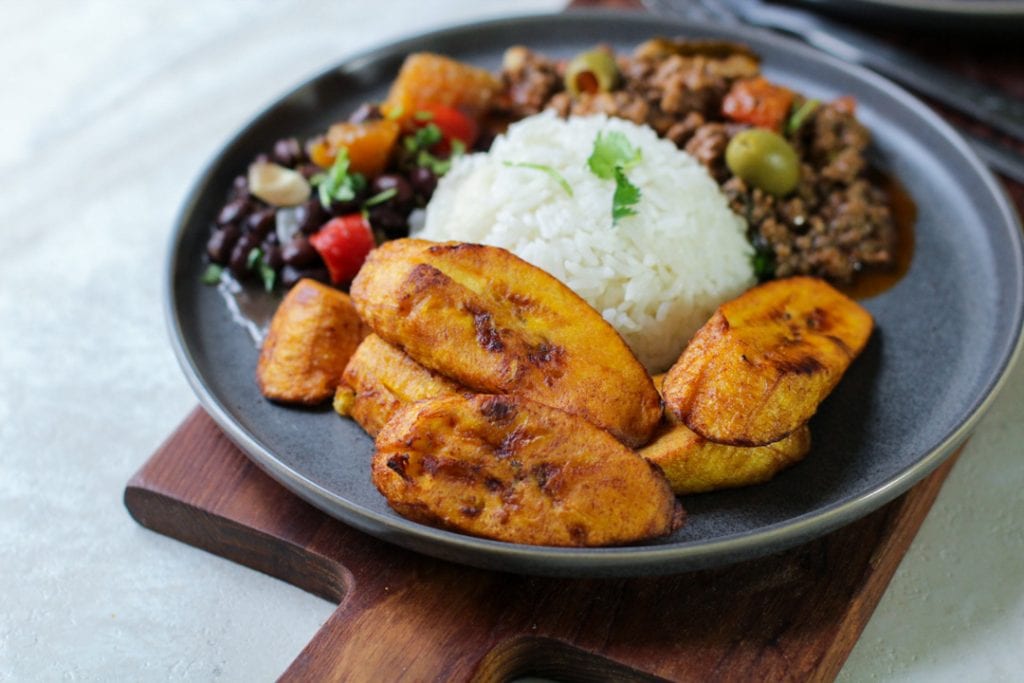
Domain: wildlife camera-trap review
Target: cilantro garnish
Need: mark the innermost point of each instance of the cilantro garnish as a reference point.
(763, 261)
(626, 197)
(380, 197)
(800, 115)
(267, 274)
(612, 156)
(338, 184)
(416, 147)
(555, 175)
(211, 275)
(424, 138)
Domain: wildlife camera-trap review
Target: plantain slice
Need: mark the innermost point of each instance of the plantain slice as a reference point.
(496, 324)
(693, 464)
(762, 364)
(312, 335)
(512, 469)
(380, 379)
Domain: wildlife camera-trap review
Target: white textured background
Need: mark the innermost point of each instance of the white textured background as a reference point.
(108, 111)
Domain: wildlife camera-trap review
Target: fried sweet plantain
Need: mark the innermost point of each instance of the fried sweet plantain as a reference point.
(762, 364)
(380, 379)
(512, 469)
(693, 464)
(496, 324)
(312, 335)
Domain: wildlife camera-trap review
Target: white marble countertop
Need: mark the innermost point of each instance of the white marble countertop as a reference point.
(110, 109)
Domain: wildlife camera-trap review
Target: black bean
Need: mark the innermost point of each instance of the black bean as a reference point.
(391, 181)
(365, 112)
(239, 260)
(386, 218)
(346, 207)
(272, 256)
(239, 188)
(234, 211)
(222, 241)
(311, 216)
(261, 222)
(290, 275)
(299, 253)
(423, 182)
(287, 152)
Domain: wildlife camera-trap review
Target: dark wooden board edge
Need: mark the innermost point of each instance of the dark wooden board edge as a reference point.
(791, 616)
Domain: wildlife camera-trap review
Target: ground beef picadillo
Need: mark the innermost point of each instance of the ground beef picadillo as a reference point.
(836, 223)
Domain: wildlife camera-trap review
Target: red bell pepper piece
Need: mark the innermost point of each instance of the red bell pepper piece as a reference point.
(758, 102)
(454, 125)
(343, 244)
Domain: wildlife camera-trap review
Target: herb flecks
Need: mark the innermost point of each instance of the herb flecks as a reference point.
(612, 156)
(417, 146)
(212, 274)
(255, 261)
(552, 173)
(626, 197)
(801, 115)
(380, 197)
(338, 184)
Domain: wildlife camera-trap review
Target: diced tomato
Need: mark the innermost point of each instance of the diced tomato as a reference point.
(454, 125)
(846, 104)
(758, 102)
(343, 243)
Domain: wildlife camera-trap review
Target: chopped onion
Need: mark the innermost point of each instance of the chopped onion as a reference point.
(287, 224)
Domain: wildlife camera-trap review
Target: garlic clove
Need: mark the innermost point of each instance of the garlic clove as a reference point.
(277, 185)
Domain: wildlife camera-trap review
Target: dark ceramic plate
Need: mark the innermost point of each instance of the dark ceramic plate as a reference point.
(946, 333)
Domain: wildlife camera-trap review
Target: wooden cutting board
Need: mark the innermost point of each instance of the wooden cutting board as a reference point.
(403, 616)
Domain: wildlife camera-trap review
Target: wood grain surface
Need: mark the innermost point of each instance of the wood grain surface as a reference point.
(403, 616)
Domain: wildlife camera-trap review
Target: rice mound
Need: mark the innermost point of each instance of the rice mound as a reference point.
(656, 276)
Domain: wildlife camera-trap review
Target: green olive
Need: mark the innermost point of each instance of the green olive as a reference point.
(591, 72)
(765, 160)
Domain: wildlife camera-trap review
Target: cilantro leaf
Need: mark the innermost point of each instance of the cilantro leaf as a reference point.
(612, 150)
(800, 115)
(626, 197)
(211, 275)
(424, 138)
(268, 275)
(380, 197)
(611, 157)
(338, 184)
(255, 256)
(555, 175)
(763, 261)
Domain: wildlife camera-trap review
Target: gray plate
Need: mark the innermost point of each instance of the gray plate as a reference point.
(946, 333)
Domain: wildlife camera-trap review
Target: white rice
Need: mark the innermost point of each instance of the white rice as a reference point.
(656, 276)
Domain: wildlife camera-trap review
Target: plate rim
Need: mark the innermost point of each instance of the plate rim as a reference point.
(607, 561)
